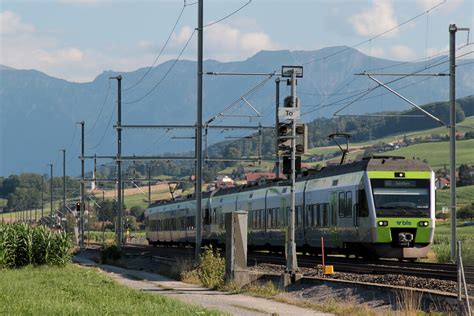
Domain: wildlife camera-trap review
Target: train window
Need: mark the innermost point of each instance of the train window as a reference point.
(342, 204)
(214, 217)
(348, 204)
(325, 215)
(299, 216)
(251, 195)
(269, 217)
(362, 204)
(207, 217)
(284, 190)
(276, 217)
(261, 219)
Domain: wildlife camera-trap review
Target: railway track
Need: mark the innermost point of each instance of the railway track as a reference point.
(418, 269)
(348, 265)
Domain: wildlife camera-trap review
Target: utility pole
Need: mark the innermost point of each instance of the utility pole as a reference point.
(452, 134)
(149, 184)
(277, 121)
(42, 196)
(291, 263)
(119, 231)
(452, 128)
(51, 191)
(198, 188)
(64, 186)
(81, 208)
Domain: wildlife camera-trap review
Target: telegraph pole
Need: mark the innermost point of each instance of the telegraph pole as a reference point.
(42, 196)
(119, 231)
(198, 188)
(149, 184)
(51, 191)
(64, 184)
(81, 208)
(277, 121)
(291, 263)
(452, 134)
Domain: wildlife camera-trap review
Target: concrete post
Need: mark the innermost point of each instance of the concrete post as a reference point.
(236, 247)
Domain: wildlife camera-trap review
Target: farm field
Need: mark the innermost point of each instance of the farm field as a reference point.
(437, 154)
(442, 237)
(464, 196)
(73, 290)
(464, 126)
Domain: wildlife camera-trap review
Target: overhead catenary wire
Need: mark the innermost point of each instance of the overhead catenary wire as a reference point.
(320, 106)
(161, 50)
(377, 35)
(105, 130)
(101, 109)
(166, 73)
(228, 15)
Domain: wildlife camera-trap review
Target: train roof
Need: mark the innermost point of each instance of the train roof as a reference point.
(379, 163)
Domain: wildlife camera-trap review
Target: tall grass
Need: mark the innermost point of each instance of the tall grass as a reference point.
(22, 245)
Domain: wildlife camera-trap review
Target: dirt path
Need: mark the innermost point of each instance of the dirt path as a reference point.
(234, 304)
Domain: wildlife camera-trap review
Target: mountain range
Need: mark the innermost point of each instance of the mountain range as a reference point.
(38, 113)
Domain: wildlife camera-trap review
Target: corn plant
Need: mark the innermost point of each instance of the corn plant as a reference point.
(21, 245)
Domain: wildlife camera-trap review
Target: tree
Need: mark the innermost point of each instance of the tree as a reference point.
(469, 135)
(464, 174)
(138, 213)
(466, 212)
(442, 216)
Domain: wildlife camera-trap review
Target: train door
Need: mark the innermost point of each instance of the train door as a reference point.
(333, 211)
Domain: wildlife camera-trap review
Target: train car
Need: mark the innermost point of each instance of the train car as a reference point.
(379, 207)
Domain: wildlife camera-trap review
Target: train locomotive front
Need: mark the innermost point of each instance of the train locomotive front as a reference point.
(378, 207)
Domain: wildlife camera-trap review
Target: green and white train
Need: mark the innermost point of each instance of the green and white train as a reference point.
(380, 207)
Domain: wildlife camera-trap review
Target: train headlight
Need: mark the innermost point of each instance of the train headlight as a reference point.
(423, 224)
(382, 223)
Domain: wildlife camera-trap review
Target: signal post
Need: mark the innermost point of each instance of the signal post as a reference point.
(291, 143)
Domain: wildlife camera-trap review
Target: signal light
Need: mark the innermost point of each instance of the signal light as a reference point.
(301, 143)
(288, 102)
(78, 206)
(284, 138)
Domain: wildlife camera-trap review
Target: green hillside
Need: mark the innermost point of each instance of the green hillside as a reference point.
(464, 196)
(437, 154)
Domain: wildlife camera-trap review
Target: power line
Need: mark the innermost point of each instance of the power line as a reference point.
(228, 15)
(162, 49)
(378, 35)
(105, 130)
(320, 106)
(101, 109)
(166, 74)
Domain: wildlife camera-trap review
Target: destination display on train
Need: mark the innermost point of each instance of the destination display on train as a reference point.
(400, 183)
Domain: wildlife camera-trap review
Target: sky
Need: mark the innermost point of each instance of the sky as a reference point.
(77, 40)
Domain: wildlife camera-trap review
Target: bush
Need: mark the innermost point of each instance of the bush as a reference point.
(211, 269)
(110, 253)
(21, 245)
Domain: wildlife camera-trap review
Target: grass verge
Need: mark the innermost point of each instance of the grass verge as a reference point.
(74, 290)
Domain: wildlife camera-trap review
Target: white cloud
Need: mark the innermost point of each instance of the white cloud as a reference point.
(11, 24)
(402, 52)
(226, 42)
(435, 51)
(373, 51)
(378, 18)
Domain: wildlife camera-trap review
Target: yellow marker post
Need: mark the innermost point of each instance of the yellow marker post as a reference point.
(326, 269)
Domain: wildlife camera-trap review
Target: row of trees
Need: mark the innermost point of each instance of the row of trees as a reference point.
(25, 191)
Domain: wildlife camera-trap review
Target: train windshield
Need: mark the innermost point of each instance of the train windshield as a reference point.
(401, 198)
